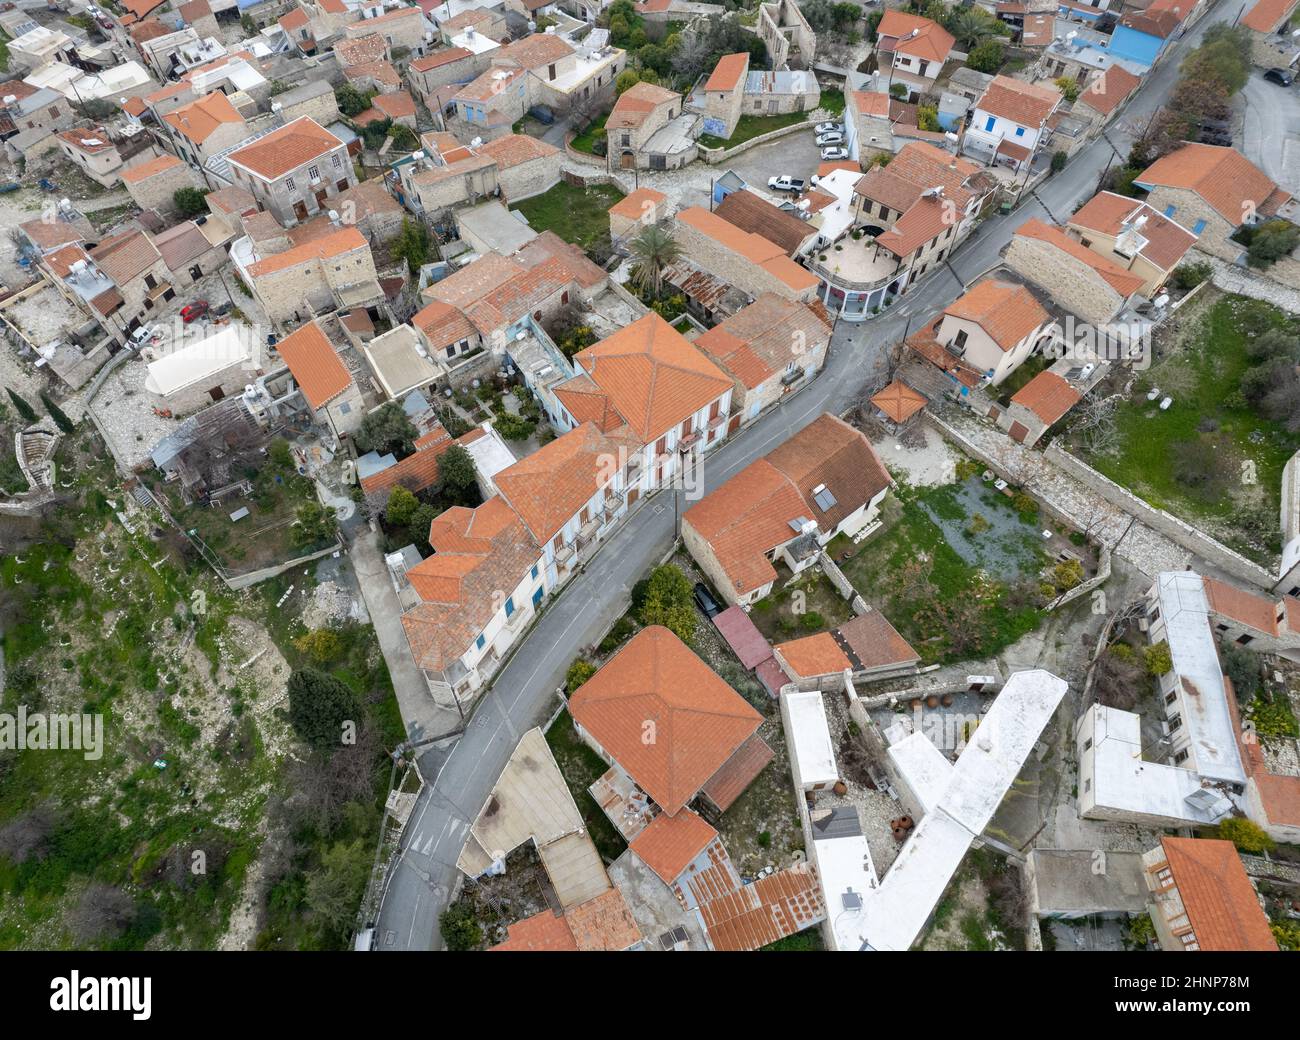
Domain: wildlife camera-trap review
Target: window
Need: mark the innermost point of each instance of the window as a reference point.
(550, 72)
(992, 122)
(510, 606)
(480, 641)
(338, 163)
(1243, 640)
(1198, 227)
(1180, 758)
(534, 572)
(1087, 744)
(1171, 696)
(344, 408)
(313, 173)
(1020, 131)
(558, 543)
(1169, 210)
(288, 183)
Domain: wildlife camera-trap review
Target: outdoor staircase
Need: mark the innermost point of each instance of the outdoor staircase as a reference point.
(34, 448)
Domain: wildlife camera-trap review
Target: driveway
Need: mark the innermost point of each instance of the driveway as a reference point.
(1271, 129)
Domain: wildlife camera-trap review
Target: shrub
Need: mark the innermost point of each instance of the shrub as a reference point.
(1059, 160)
(401, 506)
(1158, 659)
(579, 672)
(986, 57)
(190, 201)
(351, 101)
(1273, 718)
(1067, 574)
(1247, 835)
(1271, 242)
(460, 930)
(812, 620)
(1189, 276)
(387, 430)
(667, 602)
(513, 427)
(313, 524)
(319, 706)
(322, 645)
(24, 409)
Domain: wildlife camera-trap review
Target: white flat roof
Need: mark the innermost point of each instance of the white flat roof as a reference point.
(1185, 614)
(1123, 781)
(475, 42)
(895, 913)
(490, 453)
(923, 768)
(811, 750)
(845, 873)
(199, 361)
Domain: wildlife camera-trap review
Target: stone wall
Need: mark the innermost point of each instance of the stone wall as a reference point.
(712, 256)
(1172, 527)
(1074, 285)
(530, 178)
(1188, 209)
(156, 192)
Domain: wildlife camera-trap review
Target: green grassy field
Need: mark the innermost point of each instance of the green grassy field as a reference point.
(577, 215)
(749, 127)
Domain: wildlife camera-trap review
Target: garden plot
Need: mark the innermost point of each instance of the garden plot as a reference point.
(981, 525)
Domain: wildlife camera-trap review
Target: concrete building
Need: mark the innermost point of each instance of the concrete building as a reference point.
(913, 49)
(994, 327)
(1010, 121)
(91, 149)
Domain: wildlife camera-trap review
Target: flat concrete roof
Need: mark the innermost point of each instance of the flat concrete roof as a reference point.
(1076, 882)
(810, 739)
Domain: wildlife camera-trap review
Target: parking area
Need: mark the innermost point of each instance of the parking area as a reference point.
(1270, 135)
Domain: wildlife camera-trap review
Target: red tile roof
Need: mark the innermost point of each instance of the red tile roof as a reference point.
(288, 148)
(656, 684)
(736, 774)
(771, 908)
(546, 932)
(931, 41)
(199, 119)
(151, 168)
(743, 636)
(334, 244)
(636, 103)
(863, 643)
(1048, 396)
(1218, 897)
(1008, 313)
(754, 248)
(442, 56)
(1229, 182)
(729, 72)
(1165, 242)
(315, 365)
(761, 339)
(1108, 88)
(1028, 104)
(750, 213)
(899, 401)
(1267, 15)
(1123, 282)
(669, 844)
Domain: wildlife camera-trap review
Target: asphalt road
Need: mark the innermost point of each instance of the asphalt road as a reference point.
(1271, 129)
(461, 778)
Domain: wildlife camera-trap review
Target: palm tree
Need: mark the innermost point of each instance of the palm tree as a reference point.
(970, 27)
(653, 250)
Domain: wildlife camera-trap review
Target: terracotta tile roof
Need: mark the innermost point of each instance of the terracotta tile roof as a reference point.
(336, 244)
(729, 71)
(380, 71)
(465, 20)
(476, 552)
(490, 84)
(603, 923)
(417, 471)
(1108, 88)
(546, 932)
(61, 260)
(151, 168)
(1028, 104)
(760, 340)
(669, 844)
(140, 8)
(200, 118)
(125, 256)
(1248, 608)
(511, 150)
(397, 14)
(899, 401)
(194, 10)
(397, 105)
(931, 41)
(636, 103)
(1153, 21)
(532, 52)
(827, 168)
(181, 244)
(754, 248)
(315, 365)
(750, 213)
(1267, 15)
(1123, 282)
(736, 774)
(1017, 151)
(443, 324)
(925, 346)
(1048, 396)
(288, 148)
(743, 636)
(1039, 30)
(751, 513)
(587, 403)
(553, 484)
(698, 720)
(771, 908)
(863, 643)
(652, 376)
(1279, 796)
(1007, 312)
(169, 91)
(295, 19)
(150, 29)
(89, 139)
(638, 203)
(362, 50)
(442, 56)
(50, 236)
(1229, 182)
(1220, 901)
(1166, 241)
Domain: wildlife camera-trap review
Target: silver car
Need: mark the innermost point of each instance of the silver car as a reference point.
(834, 153)
(830, 138)
(829, 128)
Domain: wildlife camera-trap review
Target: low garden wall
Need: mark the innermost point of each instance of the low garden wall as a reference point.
(717, 155)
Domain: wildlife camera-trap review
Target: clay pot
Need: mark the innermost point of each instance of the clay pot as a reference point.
(932, 701)
(840, 788)
(946, 700)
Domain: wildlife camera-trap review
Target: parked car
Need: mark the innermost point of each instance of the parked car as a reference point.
(834, 153)
(142, 335)
(831, 138)
(542, 114)
(194, 311)
(786, 183)
(705, 601)
(1223, 140)
(829, 128)
(1282, 77)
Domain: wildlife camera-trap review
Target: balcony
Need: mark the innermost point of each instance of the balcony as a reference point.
(855, 265)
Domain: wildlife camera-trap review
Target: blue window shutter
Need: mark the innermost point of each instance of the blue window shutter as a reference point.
(1198, 227)
(537, 597)
(510, 606)
(1020, 131)
(480, 641)
(534, 570)
(1169, 210)
(993, 120)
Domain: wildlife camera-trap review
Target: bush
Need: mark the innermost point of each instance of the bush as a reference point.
(1189, 276)
(313, 524)
(1158, 659)
(319, 706)
(351, 101)
(1247, 835)
(1272, 717)
(460, 930)
(401, 507)
(457, 478)
(387, 430)
(513, 427)
(667, 601)
(1059, 160)
(986, 57)
(579, 672)
(1271, 242)
(190, 201)
(322, 645)
(1067, 574)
